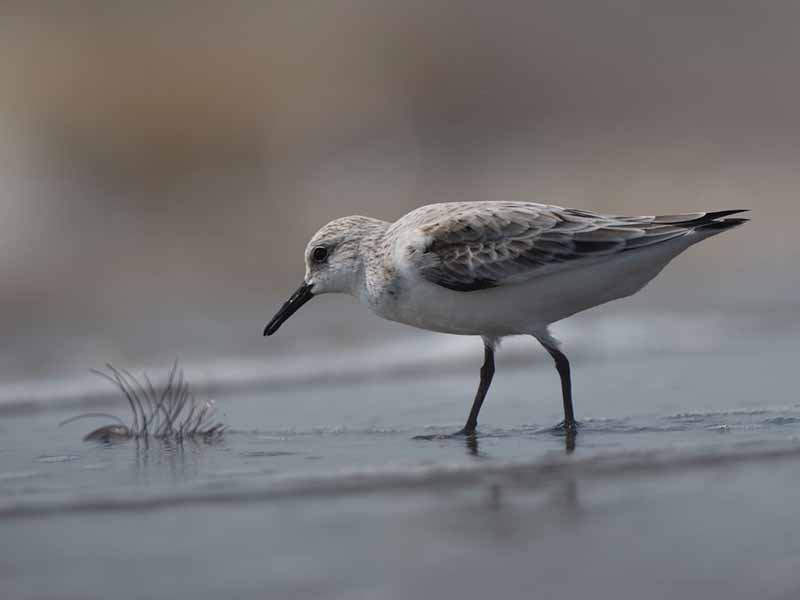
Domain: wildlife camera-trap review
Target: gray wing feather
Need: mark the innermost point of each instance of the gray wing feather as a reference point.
(470, 247)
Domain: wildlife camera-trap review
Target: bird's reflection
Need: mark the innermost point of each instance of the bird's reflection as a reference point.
(569, 442)
(521, 507)
(472, 443)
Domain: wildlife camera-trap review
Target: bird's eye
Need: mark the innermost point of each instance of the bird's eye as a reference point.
(319, 254)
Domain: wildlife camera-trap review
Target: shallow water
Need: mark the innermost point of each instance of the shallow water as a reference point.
(683, 479)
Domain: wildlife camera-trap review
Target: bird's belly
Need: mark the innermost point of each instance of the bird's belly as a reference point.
(493, 312)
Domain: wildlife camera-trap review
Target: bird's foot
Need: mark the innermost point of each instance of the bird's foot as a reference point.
(462, 434)
(566, 428)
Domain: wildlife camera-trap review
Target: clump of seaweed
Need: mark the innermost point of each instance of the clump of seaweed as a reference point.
(168, 412)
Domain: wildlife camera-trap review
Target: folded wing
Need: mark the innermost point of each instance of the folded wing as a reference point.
(468, 247)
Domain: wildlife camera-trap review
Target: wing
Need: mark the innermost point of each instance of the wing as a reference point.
(474, 246)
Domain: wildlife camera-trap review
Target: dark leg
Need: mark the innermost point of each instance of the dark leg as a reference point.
(562, 365)
(487, 373)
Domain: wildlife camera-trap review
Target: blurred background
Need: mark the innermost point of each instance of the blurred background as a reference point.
(163, 165)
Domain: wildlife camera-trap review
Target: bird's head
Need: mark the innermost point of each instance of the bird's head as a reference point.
(334, 263)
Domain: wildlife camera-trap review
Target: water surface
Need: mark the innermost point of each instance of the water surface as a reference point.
(683, 478)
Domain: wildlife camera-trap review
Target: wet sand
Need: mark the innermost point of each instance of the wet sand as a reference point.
(682, 482)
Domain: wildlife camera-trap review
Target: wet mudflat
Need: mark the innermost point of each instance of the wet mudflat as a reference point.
(684, 480)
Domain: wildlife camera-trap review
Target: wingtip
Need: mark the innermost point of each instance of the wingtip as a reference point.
(723, 224)
(719, 220)
(721, 214)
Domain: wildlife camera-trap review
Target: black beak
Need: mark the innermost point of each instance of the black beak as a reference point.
(291, 306)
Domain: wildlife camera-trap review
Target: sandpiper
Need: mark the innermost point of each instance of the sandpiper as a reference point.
(495, 269)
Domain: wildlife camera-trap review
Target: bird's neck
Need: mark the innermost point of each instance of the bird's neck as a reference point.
(373, 254)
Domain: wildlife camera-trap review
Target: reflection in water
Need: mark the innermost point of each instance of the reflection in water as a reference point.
(569, 441)
(513, 510)
(472, 444)
(472, 441)
(495, 500)
(182, 459)
(569, 499)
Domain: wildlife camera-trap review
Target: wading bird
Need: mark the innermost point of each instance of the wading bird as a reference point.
(495, 269)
